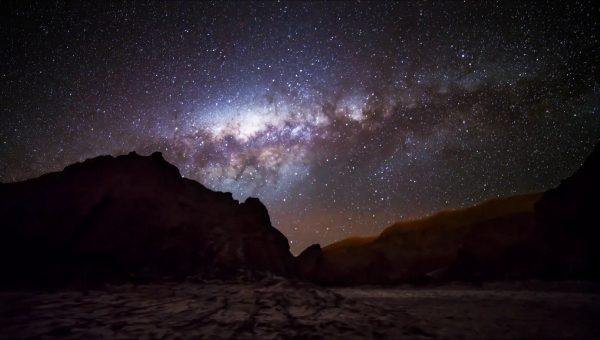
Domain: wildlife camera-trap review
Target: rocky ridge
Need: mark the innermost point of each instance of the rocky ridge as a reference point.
(550, 235)
(131, 217)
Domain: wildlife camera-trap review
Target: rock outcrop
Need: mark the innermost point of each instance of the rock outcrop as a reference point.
(569, 217)
(117, 217)
(308, 259)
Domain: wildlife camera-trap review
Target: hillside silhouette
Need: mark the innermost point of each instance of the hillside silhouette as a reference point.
(548, 235)
(409, 250)
(127, 217)
(135, 217)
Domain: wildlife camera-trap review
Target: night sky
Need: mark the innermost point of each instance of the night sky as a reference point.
(341, 117)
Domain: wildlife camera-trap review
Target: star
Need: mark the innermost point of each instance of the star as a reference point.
(341, 117)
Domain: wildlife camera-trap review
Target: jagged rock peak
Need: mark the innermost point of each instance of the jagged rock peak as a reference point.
(132, 215)
(127, 162)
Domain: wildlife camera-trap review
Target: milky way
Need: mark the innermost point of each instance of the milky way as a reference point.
(341, 117)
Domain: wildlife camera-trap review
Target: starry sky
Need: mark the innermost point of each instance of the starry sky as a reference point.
(341, 117)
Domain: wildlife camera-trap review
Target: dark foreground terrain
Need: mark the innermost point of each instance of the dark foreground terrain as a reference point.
(495, 311)
(276, 308)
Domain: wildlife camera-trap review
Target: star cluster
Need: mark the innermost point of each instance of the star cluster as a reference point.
(341, 117)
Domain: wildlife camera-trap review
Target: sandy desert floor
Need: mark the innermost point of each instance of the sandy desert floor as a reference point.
(276, 308)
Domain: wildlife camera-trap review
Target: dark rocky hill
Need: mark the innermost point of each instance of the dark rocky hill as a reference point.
(560, 236)
(118, 217)
(552, 235)
(420, 250)
(570, 219)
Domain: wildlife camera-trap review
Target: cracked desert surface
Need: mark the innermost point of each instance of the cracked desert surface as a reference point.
(278, 309)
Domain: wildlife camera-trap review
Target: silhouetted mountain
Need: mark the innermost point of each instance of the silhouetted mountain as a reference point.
(413, 251)
(111, 218)
(561, 245)
(550, 236)
(570, 216)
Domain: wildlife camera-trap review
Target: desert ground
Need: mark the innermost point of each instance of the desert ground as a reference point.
(274, 308)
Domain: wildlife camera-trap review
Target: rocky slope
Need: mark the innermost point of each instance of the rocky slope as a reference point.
(551, 235)
(569, 215)
(414, 251)
(114, 218)
(560, 238)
